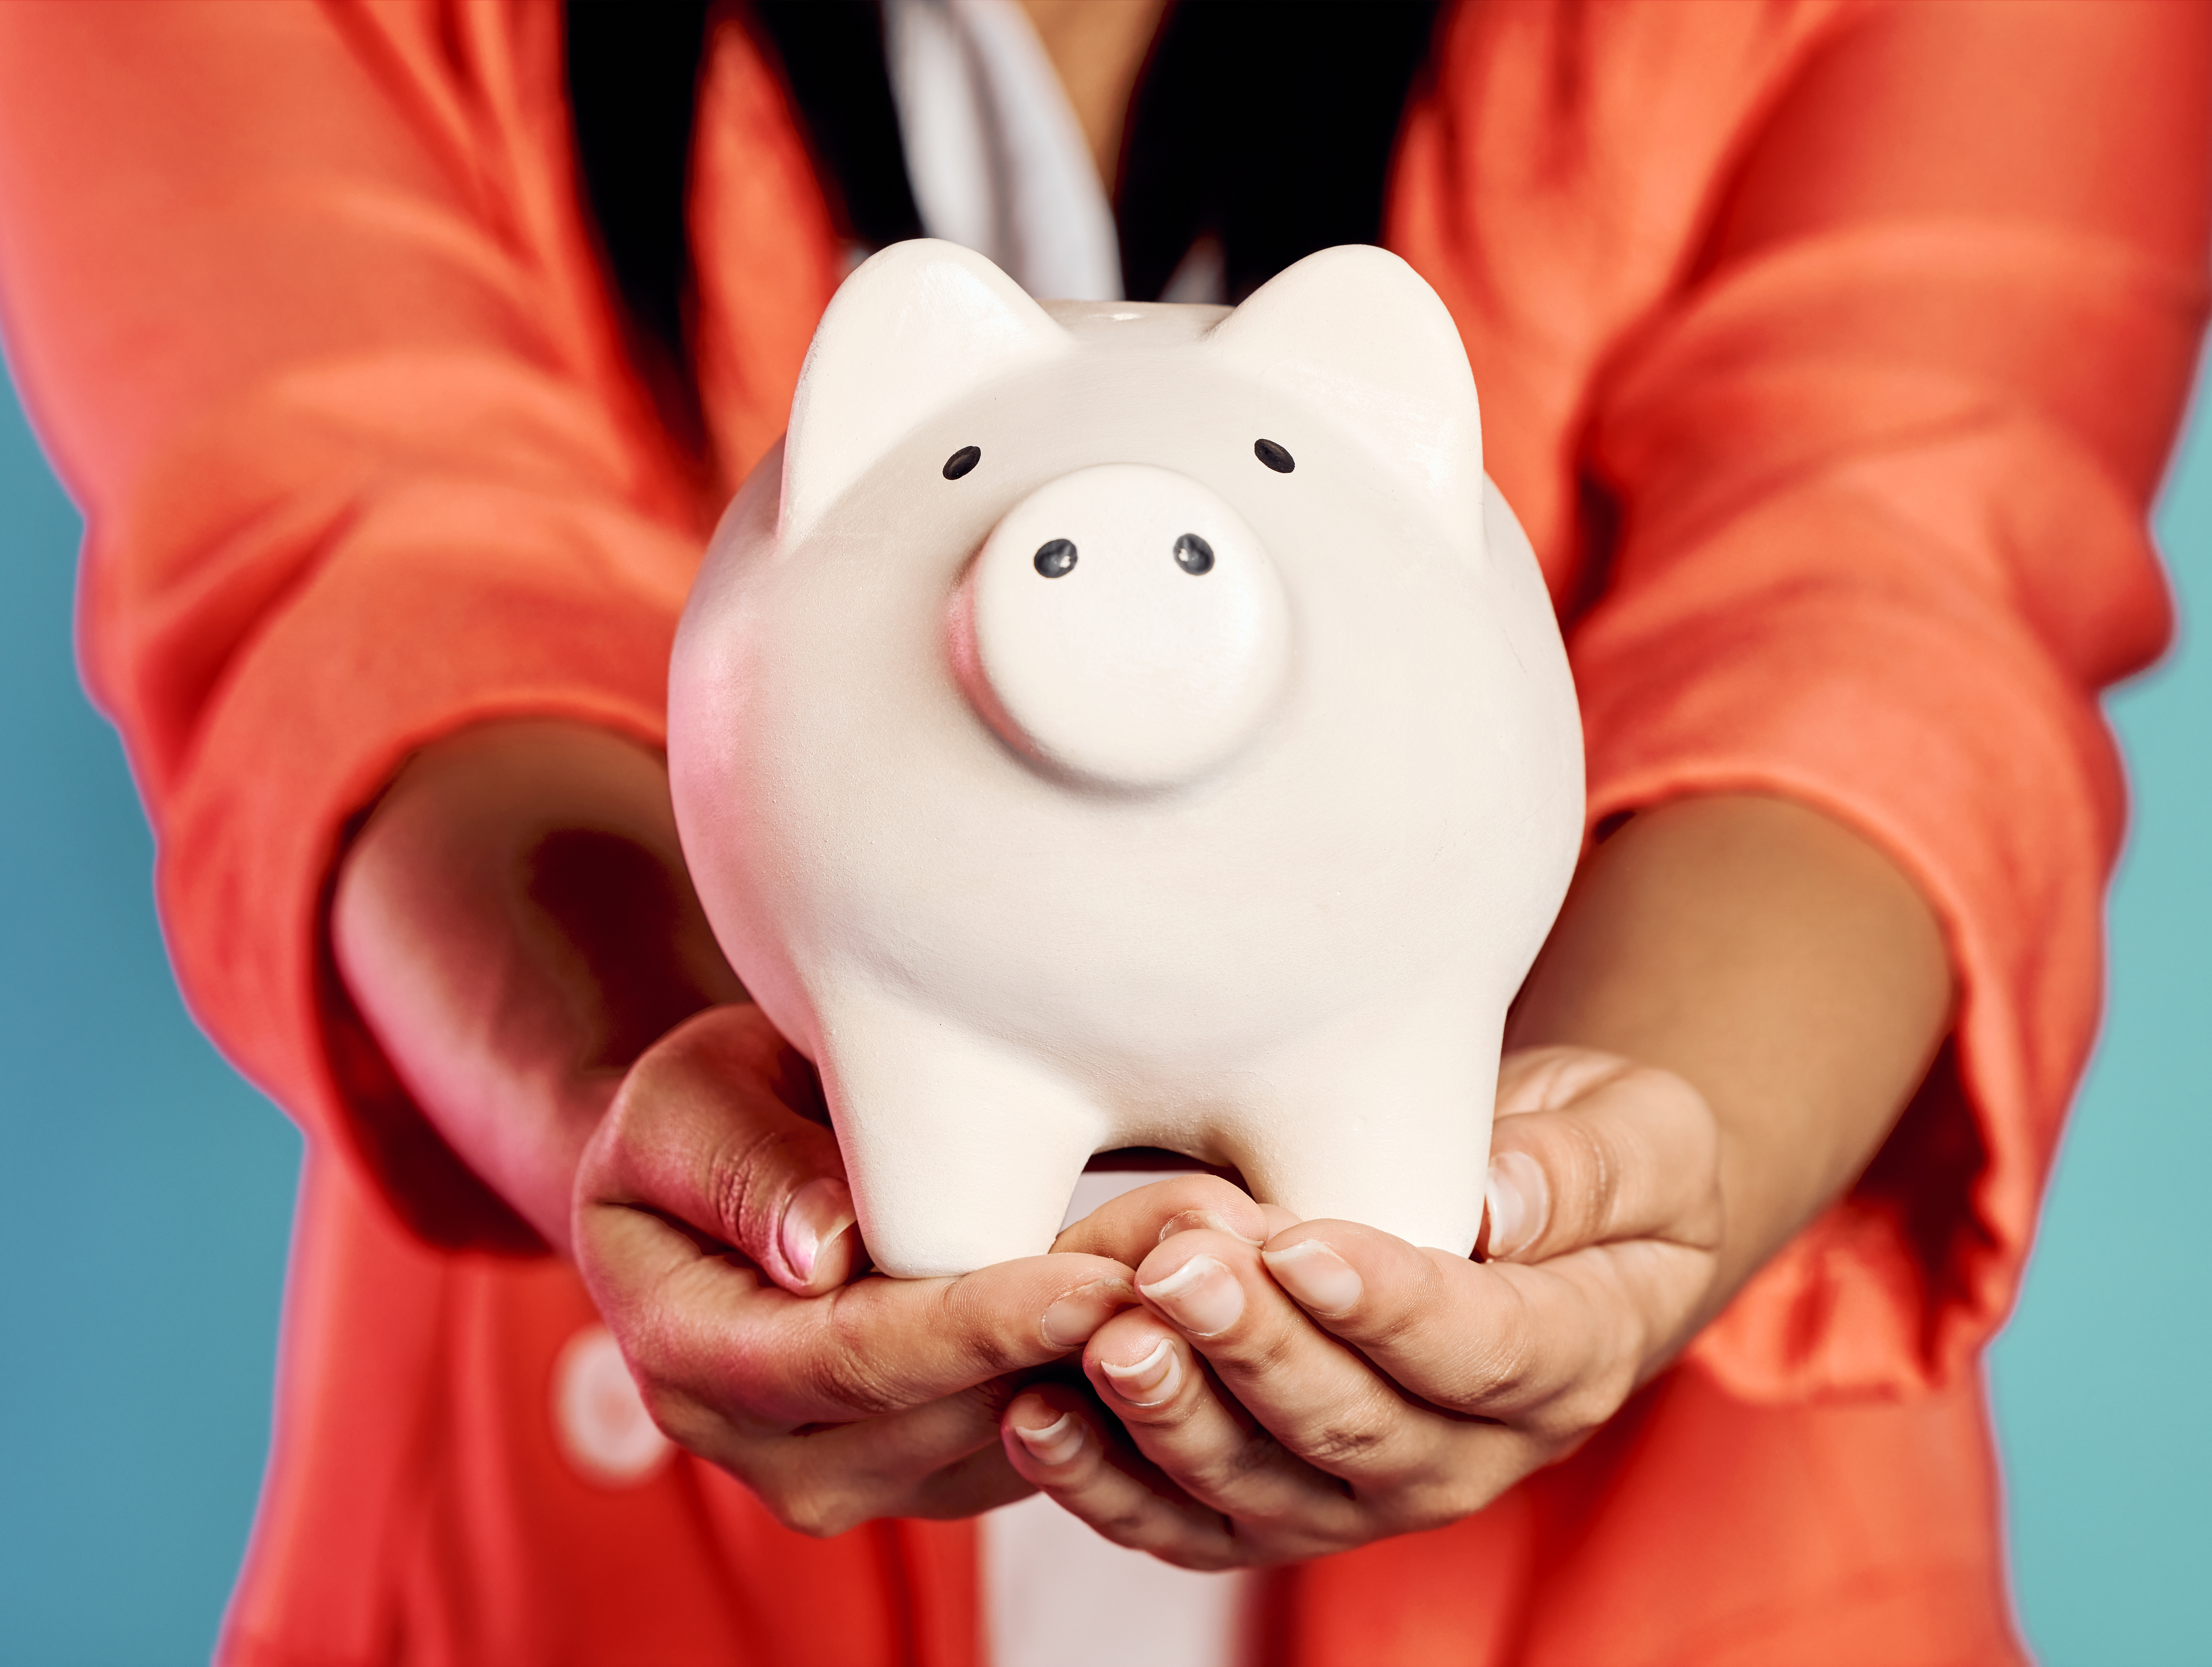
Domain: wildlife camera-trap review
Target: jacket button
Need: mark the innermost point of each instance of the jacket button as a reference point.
(599, 1419)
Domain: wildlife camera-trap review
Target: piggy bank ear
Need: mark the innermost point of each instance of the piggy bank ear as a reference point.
(1355, 333)
(914, 327)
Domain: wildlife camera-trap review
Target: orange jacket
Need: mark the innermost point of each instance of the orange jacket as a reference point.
(1830, 351)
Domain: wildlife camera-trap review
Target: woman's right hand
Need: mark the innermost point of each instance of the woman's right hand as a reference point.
(714, 1228)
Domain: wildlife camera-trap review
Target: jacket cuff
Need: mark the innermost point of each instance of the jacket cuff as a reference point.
(1816, 648)
(440, 606)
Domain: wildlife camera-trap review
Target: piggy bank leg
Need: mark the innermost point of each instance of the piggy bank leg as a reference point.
(1384, 1122)
(961, 1150)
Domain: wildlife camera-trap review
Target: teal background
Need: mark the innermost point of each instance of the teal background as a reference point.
(145, 1194)
(2100, 1380)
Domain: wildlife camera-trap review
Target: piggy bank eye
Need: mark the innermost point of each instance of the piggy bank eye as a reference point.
(962, 461)
(1193, 554)
(1055, 557)
(1275, 457)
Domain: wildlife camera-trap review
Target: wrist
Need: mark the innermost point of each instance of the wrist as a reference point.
(515, 926)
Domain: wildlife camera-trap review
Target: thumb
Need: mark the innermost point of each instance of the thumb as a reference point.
(1590, 1148)
(708, 1132)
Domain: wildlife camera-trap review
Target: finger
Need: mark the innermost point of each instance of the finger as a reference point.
(1543, 1079)
(701, 1151)
(1127, 1227)
(1149, 1377)
(710, 1325)
(1588, 1149)
(940, 1460)
(1303, 1429)
(983, 1481)
(1055, 1439)
(707, 1129)
(1558, 1346)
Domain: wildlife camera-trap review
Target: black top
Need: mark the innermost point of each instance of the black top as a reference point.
(1270, 128)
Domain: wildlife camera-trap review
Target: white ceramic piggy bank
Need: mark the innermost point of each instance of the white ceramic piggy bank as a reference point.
(1106, 725)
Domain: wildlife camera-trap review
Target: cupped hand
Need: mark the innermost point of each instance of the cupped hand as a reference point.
(1292, 1388)
(715, 1231)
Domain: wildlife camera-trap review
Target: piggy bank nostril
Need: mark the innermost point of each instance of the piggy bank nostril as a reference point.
(1193, 554)
(1057, 556)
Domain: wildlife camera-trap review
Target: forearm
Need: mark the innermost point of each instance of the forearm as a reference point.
(1777, 961)
(516, 925)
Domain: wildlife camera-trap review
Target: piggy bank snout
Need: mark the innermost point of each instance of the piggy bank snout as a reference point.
(1123, 624)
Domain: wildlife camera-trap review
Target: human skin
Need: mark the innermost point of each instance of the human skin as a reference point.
(1779, 985)
(1096, 48)
(1737, 1001)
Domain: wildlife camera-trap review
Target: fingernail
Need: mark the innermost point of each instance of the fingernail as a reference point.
(1151, 1380)
(1057, 1442)
(1316, 1276)
(1202, 1297)
(1194, 1220)
(1070, 1320)
(817, 1213)
(1518, 1199)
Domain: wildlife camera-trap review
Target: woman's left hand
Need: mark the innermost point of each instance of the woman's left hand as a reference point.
(1293, 1389)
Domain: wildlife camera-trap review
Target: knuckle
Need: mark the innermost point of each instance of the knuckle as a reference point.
(1440, 1502)
(1586, 1183)
(848, 1378)
(1577, 1413)
(1602, 1154)
(1225, 1469)
(1130, 1525)
(1590, 1400)
(653, 1367)
(1268, 1353)
(1351, 1436)
(965, 1320)
(1499, 1368)
(685, 1419)
(1334, 1444)
(1402, 1328)
(817, 1512)
(742, 1192)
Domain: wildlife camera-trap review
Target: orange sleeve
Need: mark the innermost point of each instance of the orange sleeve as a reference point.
(1883, 470)
(303, 301)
